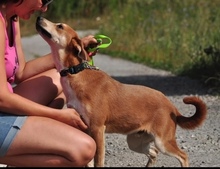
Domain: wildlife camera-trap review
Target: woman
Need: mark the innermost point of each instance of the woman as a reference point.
(34, 129)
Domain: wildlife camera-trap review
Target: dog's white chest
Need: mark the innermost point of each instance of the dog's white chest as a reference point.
(73, 101)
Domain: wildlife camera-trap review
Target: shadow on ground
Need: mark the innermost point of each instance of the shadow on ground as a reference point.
(169, 85)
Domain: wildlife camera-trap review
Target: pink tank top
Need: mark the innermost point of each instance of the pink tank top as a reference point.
(11, 58)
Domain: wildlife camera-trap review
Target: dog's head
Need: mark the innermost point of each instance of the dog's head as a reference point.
(62, 39)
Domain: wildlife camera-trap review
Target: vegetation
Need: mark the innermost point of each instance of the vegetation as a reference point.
(175, 35)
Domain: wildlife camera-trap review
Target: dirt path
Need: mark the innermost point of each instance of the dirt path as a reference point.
(202, 144)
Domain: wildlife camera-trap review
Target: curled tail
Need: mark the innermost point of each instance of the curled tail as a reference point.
(198, 118)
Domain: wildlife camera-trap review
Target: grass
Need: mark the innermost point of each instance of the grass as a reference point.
(170, 35)
(28, 27)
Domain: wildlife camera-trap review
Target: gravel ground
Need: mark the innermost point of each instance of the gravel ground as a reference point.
(202, 144)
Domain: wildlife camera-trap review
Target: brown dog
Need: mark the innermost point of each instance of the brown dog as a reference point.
(143, 114)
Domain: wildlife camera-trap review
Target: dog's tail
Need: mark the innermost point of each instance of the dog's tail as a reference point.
(198, 118)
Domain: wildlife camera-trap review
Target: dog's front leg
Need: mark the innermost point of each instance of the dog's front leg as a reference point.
(98, 135)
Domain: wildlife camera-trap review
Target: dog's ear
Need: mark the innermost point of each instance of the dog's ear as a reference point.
(78, 49)
(83, 54)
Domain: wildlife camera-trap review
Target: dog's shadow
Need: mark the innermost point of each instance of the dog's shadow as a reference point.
(169, 85)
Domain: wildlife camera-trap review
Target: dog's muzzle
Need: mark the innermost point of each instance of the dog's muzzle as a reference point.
(40, 29)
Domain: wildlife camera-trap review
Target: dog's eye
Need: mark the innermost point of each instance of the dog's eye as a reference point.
(60, 26)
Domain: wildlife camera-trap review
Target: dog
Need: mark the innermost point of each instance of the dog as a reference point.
(144, 114)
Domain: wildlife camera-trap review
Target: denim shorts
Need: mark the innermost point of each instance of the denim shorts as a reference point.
(9, 127)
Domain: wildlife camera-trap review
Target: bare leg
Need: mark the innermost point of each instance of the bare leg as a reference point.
(46, 142)
(58, 102)
(43, 141)
(43, 89)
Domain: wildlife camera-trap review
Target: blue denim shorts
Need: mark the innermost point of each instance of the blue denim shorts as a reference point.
(9, 127)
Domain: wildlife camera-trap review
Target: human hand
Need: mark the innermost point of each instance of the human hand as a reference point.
(71, 117)
(90, 42)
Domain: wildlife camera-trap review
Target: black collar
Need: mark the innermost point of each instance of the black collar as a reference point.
(76, 69)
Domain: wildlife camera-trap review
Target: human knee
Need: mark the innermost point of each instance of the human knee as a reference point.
(88, 150)
(56, 79)
(58, 102)
(85, 152)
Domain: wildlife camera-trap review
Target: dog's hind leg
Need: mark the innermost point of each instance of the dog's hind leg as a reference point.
(152, 155)
(140, 143)
(170, 148)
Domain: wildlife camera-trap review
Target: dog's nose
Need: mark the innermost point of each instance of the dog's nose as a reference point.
(38, 22)
(39, 19)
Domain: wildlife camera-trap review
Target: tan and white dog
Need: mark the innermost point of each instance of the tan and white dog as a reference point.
(143, 114)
